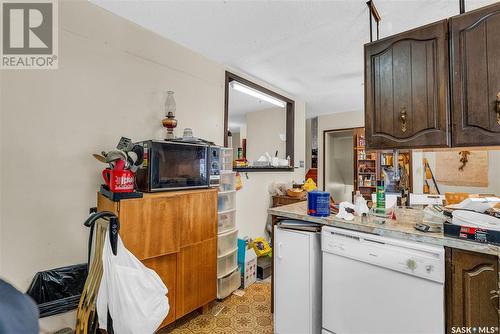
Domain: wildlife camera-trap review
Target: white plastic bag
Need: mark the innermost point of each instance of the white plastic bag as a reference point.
(134, 294)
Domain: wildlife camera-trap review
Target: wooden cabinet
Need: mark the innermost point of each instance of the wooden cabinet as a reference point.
(280, 200)
(471, 282)
(475, 74)
(175, 234)
(406, 89)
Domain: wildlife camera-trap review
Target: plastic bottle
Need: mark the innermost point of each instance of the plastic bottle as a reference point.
(380, 194)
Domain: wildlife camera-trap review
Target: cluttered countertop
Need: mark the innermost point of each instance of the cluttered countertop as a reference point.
(401, 228)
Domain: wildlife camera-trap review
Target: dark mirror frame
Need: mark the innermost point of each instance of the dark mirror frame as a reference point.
(290, 122)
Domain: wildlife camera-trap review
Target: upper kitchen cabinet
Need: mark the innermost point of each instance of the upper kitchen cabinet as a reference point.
(475, 73)
(406, 89)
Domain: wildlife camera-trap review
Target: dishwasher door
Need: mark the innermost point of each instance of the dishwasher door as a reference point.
(362, 295)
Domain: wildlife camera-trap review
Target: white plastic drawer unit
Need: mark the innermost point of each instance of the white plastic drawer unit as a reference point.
(226, 221)
(226, 159)
(226, 285)
(227, 263)
(227, 181)
(227, 242)
(226, 200)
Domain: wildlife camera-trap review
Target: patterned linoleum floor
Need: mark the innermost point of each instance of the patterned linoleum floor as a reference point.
(250, 314)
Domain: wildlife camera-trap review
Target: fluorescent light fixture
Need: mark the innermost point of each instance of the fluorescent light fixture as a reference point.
(255, 93)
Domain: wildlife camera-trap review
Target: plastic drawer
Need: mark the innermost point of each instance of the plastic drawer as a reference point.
(227, 181)
(226, 221)
(227, 166)
(227, 263)
(226, 285)
(227, 242)
(226, 200)
(226, 159)
(226, 152)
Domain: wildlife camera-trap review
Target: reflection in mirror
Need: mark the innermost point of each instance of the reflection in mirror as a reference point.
(257, 124)
(463, 171)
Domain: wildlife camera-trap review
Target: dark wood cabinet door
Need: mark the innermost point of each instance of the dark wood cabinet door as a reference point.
(406, 89)
(472, 281)
(475, 73)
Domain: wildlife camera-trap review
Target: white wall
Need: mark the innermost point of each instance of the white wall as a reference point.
(263, 133)
(253, 199)
(111, 81)
(335, 121)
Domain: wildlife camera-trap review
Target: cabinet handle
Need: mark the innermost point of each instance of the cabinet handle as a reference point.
(403, 116)
(497, 109)
(279, 251)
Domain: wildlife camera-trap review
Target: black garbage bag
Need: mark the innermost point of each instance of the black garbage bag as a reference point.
(58, 290)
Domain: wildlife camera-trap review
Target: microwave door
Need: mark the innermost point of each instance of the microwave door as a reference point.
(177, 166)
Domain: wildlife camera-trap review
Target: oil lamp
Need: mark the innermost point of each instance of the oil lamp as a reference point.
(169, 122)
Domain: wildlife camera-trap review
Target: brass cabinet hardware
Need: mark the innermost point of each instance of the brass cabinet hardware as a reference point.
(403, 116)
(498, 108)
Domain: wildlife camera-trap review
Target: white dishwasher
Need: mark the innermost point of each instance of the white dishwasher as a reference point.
(375, 284)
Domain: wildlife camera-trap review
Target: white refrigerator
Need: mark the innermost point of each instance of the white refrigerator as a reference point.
(297, 278)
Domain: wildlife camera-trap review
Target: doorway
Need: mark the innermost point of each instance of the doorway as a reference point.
(338, 168)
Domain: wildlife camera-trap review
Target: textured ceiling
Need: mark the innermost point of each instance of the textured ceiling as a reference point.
(310, 49)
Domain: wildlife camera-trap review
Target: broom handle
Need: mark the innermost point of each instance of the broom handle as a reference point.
(432, 175)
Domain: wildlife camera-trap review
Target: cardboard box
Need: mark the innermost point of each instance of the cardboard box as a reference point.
(247, 259)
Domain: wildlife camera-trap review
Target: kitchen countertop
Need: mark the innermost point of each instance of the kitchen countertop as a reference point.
(400, 229)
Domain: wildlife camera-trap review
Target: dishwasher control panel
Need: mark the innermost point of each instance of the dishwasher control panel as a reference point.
(413, 258)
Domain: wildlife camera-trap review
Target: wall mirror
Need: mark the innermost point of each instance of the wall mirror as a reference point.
(259, 126)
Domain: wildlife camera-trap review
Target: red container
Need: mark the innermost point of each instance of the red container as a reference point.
(119, 181)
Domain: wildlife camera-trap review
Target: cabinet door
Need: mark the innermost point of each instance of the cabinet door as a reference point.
(406, 89)
(472, 279)
(150, 226)
(292, 299)
(196, 276)
(166, 267)
(198, 214)
(475, 65)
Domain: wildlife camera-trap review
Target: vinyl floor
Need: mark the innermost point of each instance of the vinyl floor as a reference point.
(248, 314)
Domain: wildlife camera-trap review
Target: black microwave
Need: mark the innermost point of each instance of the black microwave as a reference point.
(172, 165)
